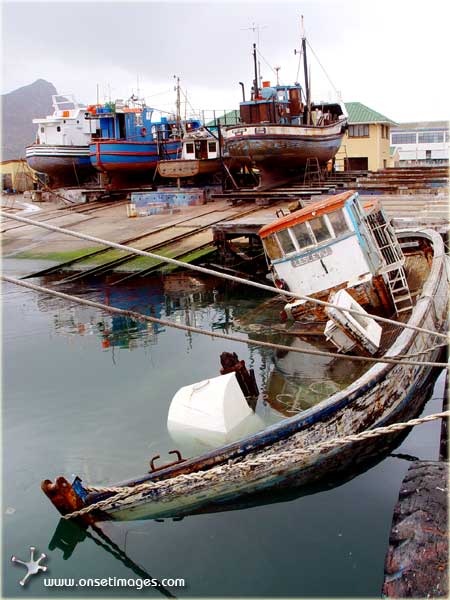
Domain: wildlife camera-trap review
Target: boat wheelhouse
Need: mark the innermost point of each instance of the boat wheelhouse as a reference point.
(334, 244)
(61, 149)
(200, 157)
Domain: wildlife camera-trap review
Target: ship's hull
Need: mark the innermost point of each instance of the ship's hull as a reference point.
(188, 168)
(122, 156)
(64, 165)
(280, 149)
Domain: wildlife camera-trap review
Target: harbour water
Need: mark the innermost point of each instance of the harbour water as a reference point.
(87, 393)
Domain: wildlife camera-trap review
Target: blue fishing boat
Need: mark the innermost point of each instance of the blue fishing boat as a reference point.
(129, 143)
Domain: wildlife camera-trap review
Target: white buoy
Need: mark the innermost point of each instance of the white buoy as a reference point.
(210, 411)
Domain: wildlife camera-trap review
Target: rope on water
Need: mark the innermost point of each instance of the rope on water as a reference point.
(244, 465)
(206, 271)
(213, 334)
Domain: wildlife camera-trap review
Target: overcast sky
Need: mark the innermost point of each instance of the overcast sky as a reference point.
(392, 55)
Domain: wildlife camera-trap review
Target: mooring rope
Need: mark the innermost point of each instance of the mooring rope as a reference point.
(245, 464)
(213, 334)
(211, 272)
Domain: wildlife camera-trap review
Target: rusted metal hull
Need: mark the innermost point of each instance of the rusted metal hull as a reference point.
(277, 150)
(180, 168)
(384, 394)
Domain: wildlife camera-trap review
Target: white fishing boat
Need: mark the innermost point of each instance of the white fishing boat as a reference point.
(61, 149)
(199, 157)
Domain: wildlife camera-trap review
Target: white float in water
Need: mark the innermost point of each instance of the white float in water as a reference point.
(211, 411)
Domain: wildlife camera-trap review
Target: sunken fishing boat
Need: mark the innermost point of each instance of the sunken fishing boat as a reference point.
(61, 148)
(281, 130)
(400, 354)
(337, 243)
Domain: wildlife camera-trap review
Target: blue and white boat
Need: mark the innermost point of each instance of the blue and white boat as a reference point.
(130, 143)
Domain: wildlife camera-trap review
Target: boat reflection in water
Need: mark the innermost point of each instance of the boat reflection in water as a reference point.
(299, 381)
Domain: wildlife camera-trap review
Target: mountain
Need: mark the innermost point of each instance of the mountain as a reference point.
(19, 108)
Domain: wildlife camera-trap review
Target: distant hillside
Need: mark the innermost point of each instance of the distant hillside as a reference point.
(19, 108)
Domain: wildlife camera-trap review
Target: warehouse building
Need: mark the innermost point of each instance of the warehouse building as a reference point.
(422, 143)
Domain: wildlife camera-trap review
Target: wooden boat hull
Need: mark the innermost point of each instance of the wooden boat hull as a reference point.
(278, 149)
(385, 394)
(179, 168)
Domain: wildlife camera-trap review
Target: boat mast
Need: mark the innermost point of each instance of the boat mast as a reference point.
(305, 68)
(255, 81)
(178, 103)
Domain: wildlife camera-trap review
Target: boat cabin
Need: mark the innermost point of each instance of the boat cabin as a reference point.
(133, 122)
(331, 244)
(200, 145)
(282, 104)
(67, 126)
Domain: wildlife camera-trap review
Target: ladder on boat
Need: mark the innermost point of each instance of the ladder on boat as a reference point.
(399, 290)
(394, 260)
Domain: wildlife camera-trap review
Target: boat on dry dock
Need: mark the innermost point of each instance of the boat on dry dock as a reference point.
(282, 130)
(199, 157)
(385, 393)
(61, 149)
(130, 143)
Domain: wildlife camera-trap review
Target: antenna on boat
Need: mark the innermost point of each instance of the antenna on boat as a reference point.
(178, 104)
(255, 81)
(305, 68)
(278, 76)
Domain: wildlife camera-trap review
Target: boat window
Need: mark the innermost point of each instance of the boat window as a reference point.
(272, 247)
(320, 229)
(190, 148)
(338, 223)
(286, 241)
(302, 235)
(42, 130)
(58, 128)
(211, 146)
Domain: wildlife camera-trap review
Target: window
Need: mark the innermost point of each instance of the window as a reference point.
(190, 148)
(358, 131)
(447, 136)
(431, 137)
(385, 132)
(272, 247)
(302, 235)
(427, 154)
(212, 146)
(42, 130)
(338, 222)
(58, 128)
(287, 245)
(320, 229)
(404, 138)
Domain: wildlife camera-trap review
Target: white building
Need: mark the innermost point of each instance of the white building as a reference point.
(422, 143)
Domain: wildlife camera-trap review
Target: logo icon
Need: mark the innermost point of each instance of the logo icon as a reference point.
(32, 566)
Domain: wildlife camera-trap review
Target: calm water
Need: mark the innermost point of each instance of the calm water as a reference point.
(86, 393)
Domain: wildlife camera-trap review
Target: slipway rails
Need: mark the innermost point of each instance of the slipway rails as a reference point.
(187, 245)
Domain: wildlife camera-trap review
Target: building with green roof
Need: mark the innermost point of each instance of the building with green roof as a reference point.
(365, 145)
